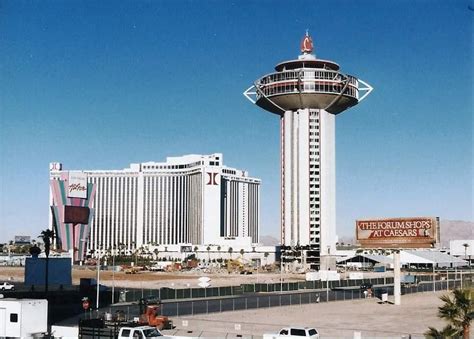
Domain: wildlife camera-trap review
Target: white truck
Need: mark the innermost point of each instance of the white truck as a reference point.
(294, 333)
(144, 332)
(5, 286)
(140, 332)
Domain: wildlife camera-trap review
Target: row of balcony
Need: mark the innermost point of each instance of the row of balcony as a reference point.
(291, 82)
(306, 74)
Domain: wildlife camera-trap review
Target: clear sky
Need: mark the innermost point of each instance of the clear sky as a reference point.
(102, 84)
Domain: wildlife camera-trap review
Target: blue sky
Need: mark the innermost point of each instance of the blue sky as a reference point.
(101, 84)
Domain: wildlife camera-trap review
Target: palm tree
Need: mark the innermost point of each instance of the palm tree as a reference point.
(208, 249)
(446, 332)
(47, 236)
(459, 311)
(230, 250)
(219, 250)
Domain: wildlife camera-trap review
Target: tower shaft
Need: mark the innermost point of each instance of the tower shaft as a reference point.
(308, 214)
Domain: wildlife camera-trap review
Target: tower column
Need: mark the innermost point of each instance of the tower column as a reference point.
(295, 173)
(327, 150)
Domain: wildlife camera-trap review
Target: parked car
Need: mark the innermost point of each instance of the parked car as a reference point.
(6, 286)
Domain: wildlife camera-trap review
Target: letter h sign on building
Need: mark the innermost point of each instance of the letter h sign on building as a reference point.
(417, 232)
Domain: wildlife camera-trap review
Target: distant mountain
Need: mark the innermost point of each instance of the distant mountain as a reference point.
(449, 230)
(268, 240)
(455, 230)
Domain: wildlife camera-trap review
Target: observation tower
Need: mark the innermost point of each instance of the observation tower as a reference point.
(307, 93)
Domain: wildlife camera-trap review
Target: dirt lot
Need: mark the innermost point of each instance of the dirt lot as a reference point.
(341, 319)
(157, 279)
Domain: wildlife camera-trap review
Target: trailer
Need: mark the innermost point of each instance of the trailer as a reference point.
(23, 317)
(408, 280)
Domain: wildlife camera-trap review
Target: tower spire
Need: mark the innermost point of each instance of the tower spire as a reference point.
(307, 44)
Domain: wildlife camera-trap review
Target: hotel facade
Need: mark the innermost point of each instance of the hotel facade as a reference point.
(193, 199)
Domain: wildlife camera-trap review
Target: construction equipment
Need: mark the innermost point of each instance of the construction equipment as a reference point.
(234, 266)
(131, 270)
(238, 265)
(150, 315)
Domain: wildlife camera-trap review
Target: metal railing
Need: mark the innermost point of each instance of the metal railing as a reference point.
(304, 81)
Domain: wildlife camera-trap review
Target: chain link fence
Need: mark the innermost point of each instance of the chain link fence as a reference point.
(191, 301)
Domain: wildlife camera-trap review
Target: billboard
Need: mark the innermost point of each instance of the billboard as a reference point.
(416, 232)
(22, 239)
(76, 215)
(77, 187)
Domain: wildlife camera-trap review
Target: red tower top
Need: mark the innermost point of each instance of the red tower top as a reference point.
(307, 44)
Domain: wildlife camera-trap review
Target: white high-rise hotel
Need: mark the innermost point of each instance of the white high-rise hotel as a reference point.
(190, 199)
(307, 93)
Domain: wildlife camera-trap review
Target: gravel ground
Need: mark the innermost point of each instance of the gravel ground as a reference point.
(340, 319)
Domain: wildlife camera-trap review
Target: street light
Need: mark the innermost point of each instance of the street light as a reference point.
(98, 282)
(113, 274)
(281, 271)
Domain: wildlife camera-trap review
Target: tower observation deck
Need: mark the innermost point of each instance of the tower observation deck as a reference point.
(307, 93)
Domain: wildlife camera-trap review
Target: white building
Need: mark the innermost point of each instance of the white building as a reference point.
(462, 248)
(190, 199)
(307, 94)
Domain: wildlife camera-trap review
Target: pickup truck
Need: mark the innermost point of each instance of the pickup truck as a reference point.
(294, 333)
(5, 286)
(143, 332)
(140, 332)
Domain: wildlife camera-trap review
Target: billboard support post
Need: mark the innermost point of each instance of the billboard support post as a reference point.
(396, 280)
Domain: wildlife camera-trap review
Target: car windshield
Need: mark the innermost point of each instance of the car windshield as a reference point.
(151, 332)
